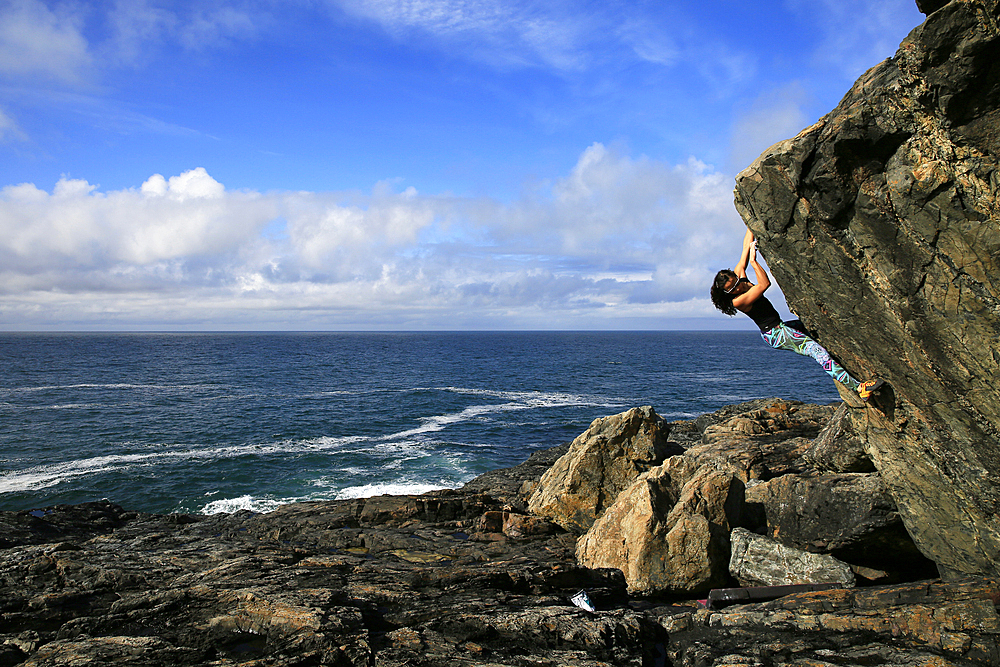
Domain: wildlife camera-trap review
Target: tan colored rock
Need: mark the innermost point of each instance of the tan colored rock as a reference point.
(513, 524)
(668, 532)
(601, 462)
(764, 442)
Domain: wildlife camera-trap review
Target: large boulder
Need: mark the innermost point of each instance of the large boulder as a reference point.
(601, 462)
(669, 531)
(764, 439)
(760, 561)
(881, 222)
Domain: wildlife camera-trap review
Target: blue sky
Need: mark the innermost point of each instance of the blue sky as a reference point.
(398, 164)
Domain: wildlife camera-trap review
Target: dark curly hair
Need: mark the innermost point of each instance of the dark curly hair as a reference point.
(720, 299)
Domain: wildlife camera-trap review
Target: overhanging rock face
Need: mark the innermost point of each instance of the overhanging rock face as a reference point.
(881, 223)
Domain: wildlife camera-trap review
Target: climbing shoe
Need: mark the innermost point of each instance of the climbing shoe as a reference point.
(866, 389)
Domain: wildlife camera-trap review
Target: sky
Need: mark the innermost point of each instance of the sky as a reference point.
(338, 165)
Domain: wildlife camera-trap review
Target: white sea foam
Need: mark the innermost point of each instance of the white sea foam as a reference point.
(41, 477)
(118, 385)
(65, 406)
(516, 400)
(263, 505)
(537, 399)
(44, 476)
(231, 505)
(733, 399)
(440, 422)
(386, 489)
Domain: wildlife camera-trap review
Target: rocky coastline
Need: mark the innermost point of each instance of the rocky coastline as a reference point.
(767, 533)
(481, 576)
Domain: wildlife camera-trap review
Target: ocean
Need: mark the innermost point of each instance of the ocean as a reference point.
(217, 422)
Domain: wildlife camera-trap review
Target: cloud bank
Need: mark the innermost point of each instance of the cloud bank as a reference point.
(616, 242)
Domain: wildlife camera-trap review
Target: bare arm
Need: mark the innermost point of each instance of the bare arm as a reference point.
(741, 267)
(745, 300)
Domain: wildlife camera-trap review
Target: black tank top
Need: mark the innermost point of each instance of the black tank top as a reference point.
(763, 314)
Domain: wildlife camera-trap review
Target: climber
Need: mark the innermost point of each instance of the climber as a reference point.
(732, 291)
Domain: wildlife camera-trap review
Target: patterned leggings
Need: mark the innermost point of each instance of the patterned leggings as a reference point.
(784, 337)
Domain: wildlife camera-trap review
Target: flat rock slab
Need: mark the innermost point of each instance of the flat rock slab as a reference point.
(931, 623)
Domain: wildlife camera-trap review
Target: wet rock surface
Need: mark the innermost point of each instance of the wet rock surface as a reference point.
(459, 577)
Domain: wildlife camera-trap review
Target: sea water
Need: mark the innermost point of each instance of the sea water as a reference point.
(216, 422)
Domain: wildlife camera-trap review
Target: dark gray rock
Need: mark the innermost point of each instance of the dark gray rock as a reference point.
(385, 579)
(838, 448)
(846, 628)
(851, 516)
(880, 223)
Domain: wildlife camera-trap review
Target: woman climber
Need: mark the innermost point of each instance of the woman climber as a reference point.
(732, 291)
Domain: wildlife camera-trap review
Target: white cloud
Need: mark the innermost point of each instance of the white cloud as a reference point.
(135, 25)
(194, 184)
(38, 41)
(77, 228)
(566, 37)
(217, 26)
(615, 212)
(437, 16)
(724, 68)
(138, 28)
(345, 242)
(618, 237)
(48, 39)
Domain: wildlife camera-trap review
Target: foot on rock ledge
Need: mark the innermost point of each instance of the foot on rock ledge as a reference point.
(867, 389)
